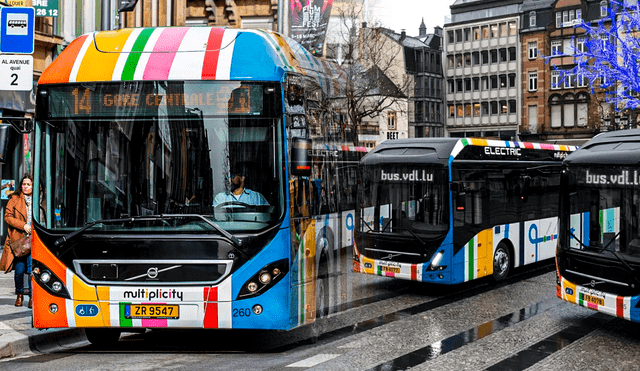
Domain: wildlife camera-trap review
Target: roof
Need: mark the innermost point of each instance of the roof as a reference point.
(182, 53)
(529, 5)
(621, 147)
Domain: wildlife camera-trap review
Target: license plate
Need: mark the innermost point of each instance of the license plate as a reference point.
(391, 269)
(594, 300)
(152, 311)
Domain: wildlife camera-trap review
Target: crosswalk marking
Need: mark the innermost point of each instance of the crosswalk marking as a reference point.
(315, 360)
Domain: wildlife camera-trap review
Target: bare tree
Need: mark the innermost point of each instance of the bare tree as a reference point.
(372, 58)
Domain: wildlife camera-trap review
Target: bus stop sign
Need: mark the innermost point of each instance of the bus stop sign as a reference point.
(17, 30)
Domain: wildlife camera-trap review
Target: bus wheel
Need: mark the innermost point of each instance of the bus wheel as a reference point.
(322, 299)
(102, 336)
(501, 262)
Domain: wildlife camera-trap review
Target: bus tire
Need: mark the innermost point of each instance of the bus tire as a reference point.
(103, 336)
(501, 262)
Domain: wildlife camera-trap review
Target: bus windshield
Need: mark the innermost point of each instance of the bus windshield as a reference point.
(405, 199)
(120, 150)
(607, 199)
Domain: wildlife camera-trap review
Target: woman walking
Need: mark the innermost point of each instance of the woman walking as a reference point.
(17, 215)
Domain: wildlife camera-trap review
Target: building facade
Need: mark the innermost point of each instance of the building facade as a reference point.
(482, 65)
(558, 108)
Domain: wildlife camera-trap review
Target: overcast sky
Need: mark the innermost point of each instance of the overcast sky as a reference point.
(408, 14)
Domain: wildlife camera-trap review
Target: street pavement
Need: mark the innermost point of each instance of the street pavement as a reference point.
(18, 337)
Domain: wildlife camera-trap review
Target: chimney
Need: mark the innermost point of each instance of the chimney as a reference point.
(403, 35)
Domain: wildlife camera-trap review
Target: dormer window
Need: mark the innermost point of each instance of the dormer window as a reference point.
(604, 9)
(532, 19)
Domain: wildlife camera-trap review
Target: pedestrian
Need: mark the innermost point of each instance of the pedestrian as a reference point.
(17, 215)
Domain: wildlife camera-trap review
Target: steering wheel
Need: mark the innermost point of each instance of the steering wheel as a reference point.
(234, 204)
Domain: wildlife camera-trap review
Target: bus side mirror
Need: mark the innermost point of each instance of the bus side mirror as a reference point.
(300, 158)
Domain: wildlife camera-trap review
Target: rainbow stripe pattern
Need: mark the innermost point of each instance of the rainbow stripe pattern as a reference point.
(184, 53)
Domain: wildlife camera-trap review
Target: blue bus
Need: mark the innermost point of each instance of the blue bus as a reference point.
(450, 210)
(186, 178)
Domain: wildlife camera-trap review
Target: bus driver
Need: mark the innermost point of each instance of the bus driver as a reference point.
(237, 191)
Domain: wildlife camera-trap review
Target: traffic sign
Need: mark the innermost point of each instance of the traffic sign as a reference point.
(16, 72)
(17, 30)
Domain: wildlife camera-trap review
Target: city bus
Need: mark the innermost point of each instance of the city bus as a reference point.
(189, 178)
(451, 210)
(598, 254)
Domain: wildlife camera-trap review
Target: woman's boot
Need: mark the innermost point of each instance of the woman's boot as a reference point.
(19, 300)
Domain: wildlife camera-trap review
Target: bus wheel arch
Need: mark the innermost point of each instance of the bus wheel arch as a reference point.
(502, 260)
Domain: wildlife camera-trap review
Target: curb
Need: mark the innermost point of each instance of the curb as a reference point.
(15, 344)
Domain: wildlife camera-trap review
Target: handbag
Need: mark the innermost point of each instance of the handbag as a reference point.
(21, 247)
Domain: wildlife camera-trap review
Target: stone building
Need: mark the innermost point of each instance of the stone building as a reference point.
(556, 108)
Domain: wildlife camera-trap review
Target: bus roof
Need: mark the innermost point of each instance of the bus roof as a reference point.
(185, 53)
(620, 147)
(442, 150)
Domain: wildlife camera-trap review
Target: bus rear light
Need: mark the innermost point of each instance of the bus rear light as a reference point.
(263, 280)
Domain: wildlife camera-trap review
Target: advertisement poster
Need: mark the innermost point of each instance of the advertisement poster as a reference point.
(308, 20)
(7, 187)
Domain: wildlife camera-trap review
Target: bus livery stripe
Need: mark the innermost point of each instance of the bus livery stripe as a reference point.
(137, 40)
(210, 64)
(223, 68)
(164, 52)
(188, 62)
(211, 307)
(98, 65)
(73, 75)
(62, 65)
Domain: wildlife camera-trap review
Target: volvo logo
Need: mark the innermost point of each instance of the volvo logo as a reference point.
(594, 283)
(152, 272)
(390, 256)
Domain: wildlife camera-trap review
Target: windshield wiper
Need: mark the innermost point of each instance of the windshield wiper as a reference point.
(621, 259)
(216, 227)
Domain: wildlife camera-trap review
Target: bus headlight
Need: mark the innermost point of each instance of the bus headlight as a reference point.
(53, 285)
(435, 262)
(45, 277)
(264, 279)
(252, 286)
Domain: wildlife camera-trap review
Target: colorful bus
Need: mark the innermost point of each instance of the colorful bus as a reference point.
(188, 178)
(598, 255)
(450, 210)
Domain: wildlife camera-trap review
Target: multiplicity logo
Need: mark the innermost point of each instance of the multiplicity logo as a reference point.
(153, 294)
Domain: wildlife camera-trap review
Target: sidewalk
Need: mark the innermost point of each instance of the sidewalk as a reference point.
(17, 335)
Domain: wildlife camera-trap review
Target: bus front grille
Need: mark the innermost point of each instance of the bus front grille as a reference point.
(152, 272)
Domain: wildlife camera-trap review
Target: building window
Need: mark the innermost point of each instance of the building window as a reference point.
(569, 81)
(533, 118)
(558, 19)
(476, 33)
(476, 109)
(512, 106)
(503, 55)
(580, 44)
(556, 47)
(533, 50)
(450, 61)
(475, 58)
(391, 120)
(556, 112)
(513, 30)
(555, 79)
(467, 109)
(485, 56)
(494, 107)
(512, 80)
(582, 109)
(494, 31)
(484, 82)
(512, 54)
(459, 85)
(503, 107)
(494, 56)
(567, 47)
(452, 110)
(581, 82)
(494, 82)
(458, 36)
(533, 81)
(603, 9)
(452, 86)
(458, 60)
(503, 81)
(568, 119)
(485, 108)
(503, 30)
(578, 14)
(532, 19)
(467, 84)
(467, 34)
(467, 59)
(450, 38)
(459, 109)
(485, 32)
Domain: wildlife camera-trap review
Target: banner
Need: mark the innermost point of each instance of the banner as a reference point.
(308, 20)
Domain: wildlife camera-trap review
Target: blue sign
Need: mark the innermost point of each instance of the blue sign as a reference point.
(86, 310)
(17, 30)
